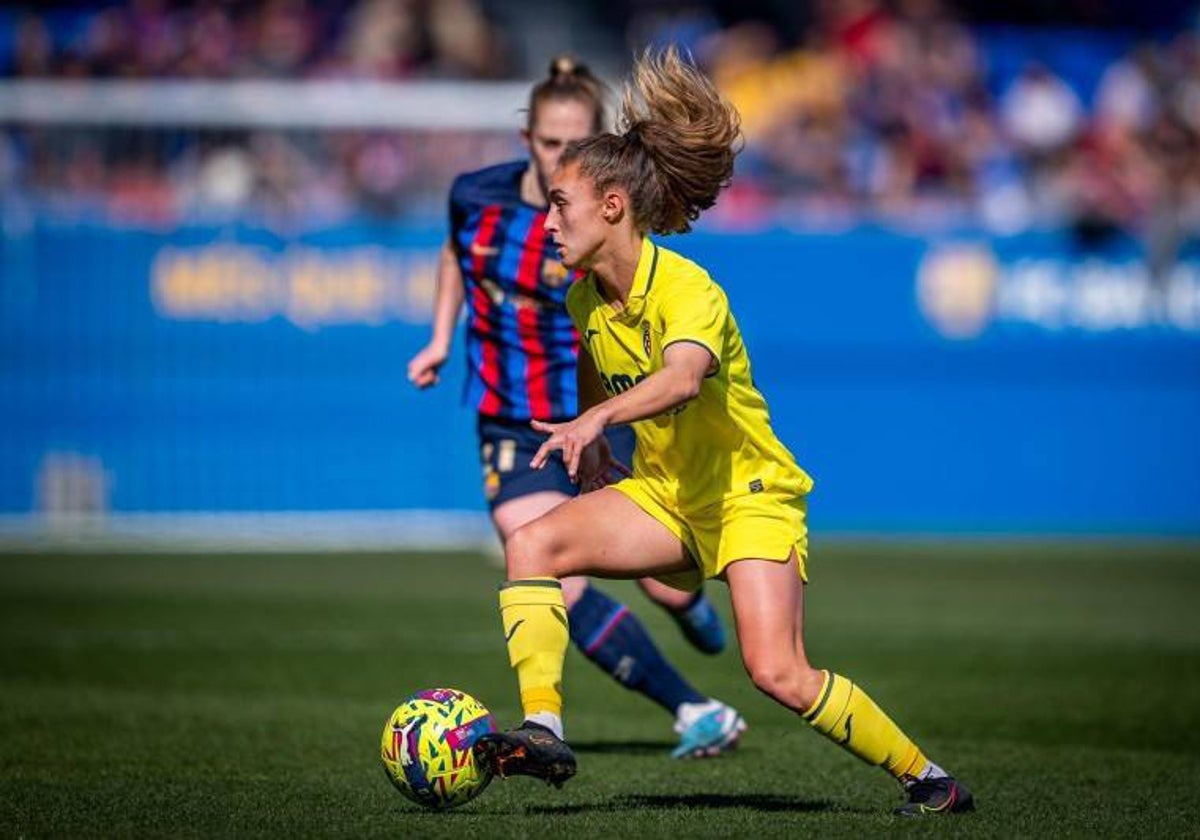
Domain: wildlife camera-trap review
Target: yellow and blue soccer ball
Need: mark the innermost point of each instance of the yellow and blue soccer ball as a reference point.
(427, 744)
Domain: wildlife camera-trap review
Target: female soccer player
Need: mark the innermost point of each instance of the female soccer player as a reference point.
(713, 492)
(521, 352)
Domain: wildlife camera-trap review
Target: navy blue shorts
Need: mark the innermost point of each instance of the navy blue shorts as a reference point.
(506, 447)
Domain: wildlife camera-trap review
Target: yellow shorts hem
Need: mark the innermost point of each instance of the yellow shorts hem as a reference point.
(766, 526)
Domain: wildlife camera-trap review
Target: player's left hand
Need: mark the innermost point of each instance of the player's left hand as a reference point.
(570, 438)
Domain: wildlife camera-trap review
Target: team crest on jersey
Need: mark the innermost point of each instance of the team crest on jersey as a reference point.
(646, 338)
(554, 273)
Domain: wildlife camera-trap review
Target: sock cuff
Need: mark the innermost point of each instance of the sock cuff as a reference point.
(822, 698)
(831, 702)
(531, 591)
(546, 582)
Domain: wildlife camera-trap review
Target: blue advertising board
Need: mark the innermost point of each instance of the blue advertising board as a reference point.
(970, 385)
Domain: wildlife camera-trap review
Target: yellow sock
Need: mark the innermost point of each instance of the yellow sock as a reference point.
(535, 627)
(845, 714)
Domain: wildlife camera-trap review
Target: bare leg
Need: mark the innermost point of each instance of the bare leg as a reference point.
(665, 596)
(601, 533)
(768, 608)
(515, 513)
(602, 629)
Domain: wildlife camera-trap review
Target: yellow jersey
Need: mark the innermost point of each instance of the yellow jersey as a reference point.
(716, 447)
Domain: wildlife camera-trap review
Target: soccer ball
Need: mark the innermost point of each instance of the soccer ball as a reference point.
(427, 744)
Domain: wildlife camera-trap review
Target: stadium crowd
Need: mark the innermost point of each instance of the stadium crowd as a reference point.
(228, 39)
(892, 114)
(886, 111)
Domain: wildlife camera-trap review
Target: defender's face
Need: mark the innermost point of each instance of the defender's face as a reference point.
(555, 124)
(575, 220)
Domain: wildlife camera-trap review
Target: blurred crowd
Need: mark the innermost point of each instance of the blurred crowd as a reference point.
(884, 111)
(286, 39)
(281, 177)
(888, 112)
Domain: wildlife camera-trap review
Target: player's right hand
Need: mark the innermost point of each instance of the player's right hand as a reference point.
(423, 368)
(569, 438)
(598, 468)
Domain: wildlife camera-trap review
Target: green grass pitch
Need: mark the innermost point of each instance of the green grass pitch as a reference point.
(203, 696)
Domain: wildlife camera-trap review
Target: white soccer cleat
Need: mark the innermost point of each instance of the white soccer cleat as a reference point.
(707, 729)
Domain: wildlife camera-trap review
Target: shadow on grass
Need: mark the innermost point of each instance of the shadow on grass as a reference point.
(711, 801)
(623, 747)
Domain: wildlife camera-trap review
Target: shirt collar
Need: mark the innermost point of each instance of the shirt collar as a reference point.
(643, 278)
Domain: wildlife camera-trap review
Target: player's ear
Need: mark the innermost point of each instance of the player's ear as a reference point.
(527, 138)
(613, 206)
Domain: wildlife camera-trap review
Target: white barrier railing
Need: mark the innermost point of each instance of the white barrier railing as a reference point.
(425, 105)
(297, 531)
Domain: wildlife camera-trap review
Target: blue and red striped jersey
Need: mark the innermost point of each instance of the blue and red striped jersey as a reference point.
(521, 344)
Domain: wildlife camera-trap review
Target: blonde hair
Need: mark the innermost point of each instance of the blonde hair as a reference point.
(675, 152)
(569, 80)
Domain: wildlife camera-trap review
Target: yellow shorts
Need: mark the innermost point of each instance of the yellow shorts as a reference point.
(767, 526)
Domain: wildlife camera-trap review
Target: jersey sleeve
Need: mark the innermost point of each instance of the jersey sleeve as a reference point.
(697, 312)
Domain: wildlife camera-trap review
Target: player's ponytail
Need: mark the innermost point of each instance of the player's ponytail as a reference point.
(677, 146)
(569, 80)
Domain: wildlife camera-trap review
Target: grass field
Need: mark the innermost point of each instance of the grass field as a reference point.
(198, 696)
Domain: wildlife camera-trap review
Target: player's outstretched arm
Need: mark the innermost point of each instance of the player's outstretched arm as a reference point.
(450, 293)
(685, 364)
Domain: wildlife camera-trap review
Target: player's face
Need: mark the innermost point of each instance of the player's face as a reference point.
(555, 124)
(575, 220)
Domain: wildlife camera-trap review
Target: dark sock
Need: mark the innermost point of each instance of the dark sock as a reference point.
(612, 637)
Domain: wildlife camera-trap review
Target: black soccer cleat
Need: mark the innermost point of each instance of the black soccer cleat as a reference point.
(528, 750)
(936, 796)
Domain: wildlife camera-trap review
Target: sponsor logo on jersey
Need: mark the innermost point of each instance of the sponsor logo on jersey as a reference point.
(619, 383)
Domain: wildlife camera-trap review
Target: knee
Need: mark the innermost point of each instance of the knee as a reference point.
(530, 552)
(770, 675)
(785, 680)
(810, 681)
